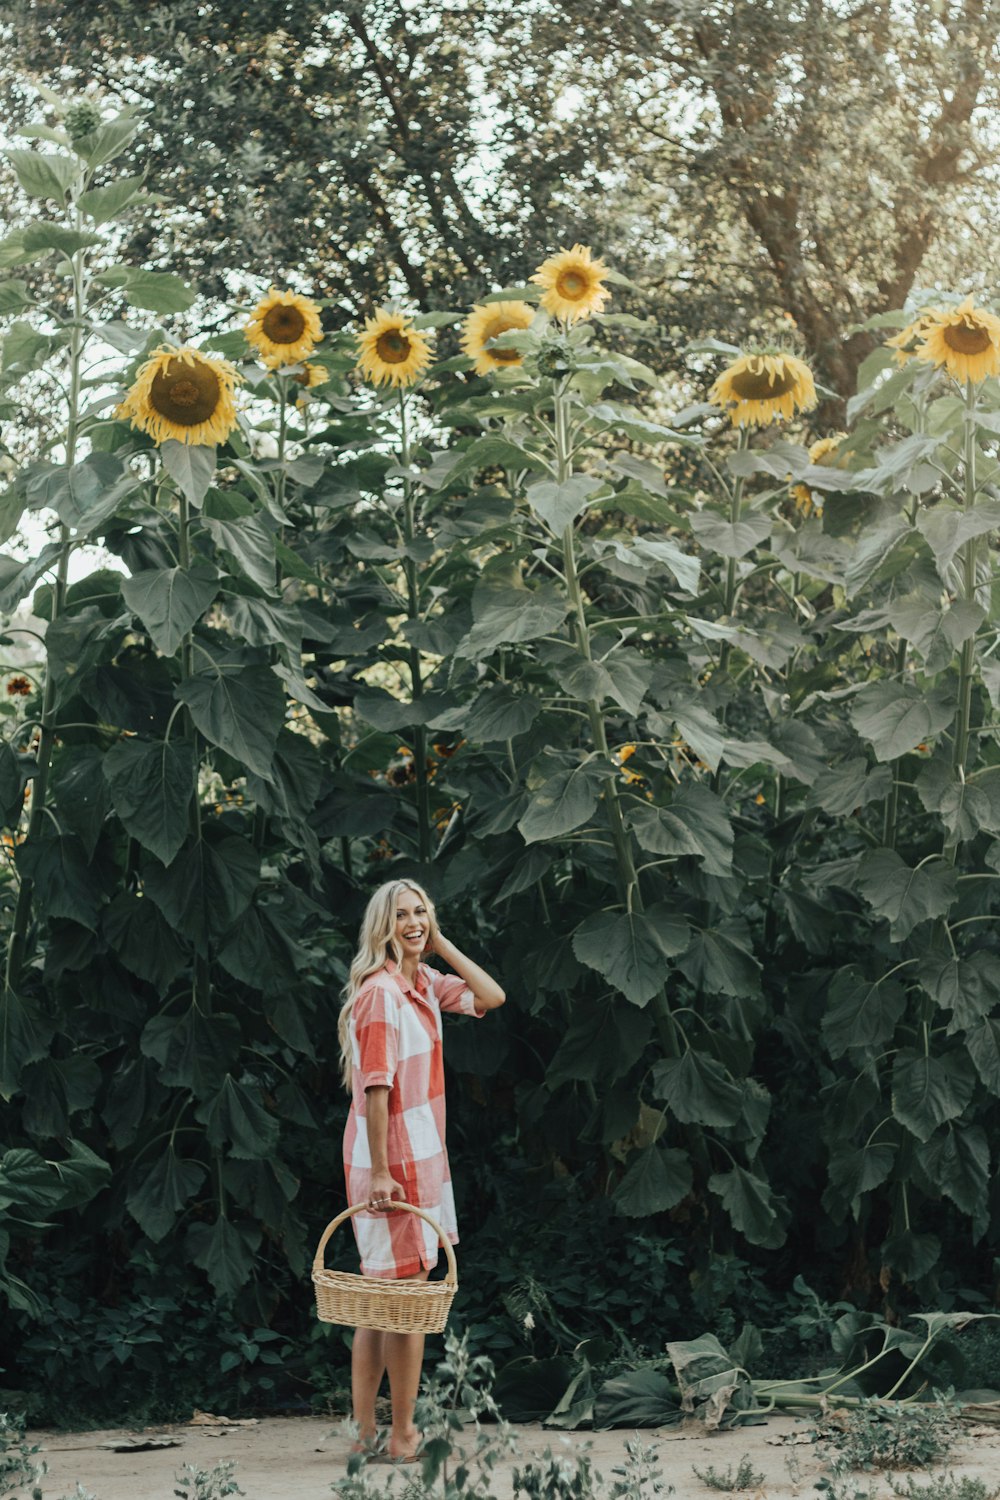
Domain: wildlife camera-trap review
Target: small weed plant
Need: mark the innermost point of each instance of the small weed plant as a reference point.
(887, 1435)
(21, 1472)
(206, 1484)
(741, 1476)
(946, 1487)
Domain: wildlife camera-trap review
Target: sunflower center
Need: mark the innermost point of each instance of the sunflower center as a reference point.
(186, 394)
(493, 331)
(283, 324)
(967, 338)
(392, 346)
(572, 285)
(760, 385)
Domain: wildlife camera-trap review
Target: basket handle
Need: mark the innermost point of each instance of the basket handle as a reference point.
(451, 1275)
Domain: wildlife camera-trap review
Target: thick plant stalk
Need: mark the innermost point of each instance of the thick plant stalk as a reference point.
(960, 748)
(17, 944)
(202, 991)
(629, 890)
(413, 613)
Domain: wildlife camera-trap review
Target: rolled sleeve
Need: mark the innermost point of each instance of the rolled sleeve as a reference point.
(453, 994)
(376, 1023)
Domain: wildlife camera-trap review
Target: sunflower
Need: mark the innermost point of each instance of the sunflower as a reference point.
(760, 388)
(823, 453)
(185, 395)
(390, 350)
(489, 322)
(284, 328)
(907, 341)
(966, 341)
(572, 284)
(311, 376)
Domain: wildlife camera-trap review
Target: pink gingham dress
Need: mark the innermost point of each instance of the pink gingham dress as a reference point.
(396, 1041)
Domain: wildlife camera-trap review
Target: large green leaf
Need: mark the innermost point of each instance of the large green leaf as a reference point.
(968, 986)
(43, 174)
(946, 529)
(104, 203)
(905, 896)
(730, 538)
(639, 1398)
(206, 888)
(237, 1118)
(86, 495)
(54, 1089)
(225, 1251)
(983, 1042)
(861, 1012)
(965, 808)
(29, 1181)
(159, 1194)
(505, 612)
(754, 1209)
(260, 952)
(958, 1162)
(170, 601)
(720, 960)
(896, 717)
(81, 793)
(245, 538)
(65, 878)
(698, 1089)
(195, 1050)
(558, 505)
(498, 713)
(630, 948)
(142, 939)
(297, 772)
(25, 1034)
(602, 1041)
(695, 822)
(156, 291)
(657, 1179)
(928, 1090)
(563, 802)
(240, 708)
(152, 785)
(843, 788)
(82, 1173)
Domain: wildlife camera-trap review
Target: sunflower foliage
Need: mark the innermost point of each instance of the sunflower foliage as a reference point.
(687, 726)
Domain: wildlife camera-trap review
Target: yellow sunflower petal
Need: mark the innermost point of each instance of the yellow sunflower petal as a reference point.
(760, 388)
(572, 284)
(965, 341)
(489, 322)
(390, 350)
(284, 328)
(185, 395)
(908, 340)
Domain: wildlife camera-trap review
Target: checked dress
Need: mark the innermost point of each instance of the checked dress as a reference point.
(396, 1042)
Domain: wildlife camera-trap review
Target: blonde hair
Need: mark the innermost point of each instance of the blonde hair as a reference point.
(376, 943)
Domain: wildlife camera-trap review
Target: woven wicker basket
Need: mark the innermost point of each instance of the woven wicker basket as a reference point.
(390, 1306)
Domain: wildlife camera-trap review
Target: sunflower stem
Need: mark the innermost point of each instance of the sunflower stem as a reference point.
(202, 987)
(17, 944)
(629, 891)
(967, 658)
(413, 614)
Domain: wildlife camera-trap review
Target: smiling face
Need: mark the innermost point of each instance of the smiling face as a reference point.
(413, 924)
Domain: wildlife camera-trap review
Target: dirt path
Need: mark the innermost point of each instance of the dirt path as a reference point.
(298, 1459)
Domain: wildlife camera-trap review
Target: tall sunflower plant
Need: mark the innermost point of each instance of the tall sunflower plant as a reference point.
(909, 729)
(597, 828)
(162, 961)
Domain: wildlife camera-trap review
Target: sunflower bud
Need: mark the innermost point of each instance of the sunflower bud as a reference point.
(82, 120)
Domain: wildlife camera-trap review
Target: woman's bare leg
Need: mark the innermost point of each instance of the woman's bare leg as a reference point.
(367, 1368)
(404, 1357)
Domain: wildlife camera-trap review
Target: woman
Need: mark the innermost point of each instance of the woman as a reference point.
(394, 1143)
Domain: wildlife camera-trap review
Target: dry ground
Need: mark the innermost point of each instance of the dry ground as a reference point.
(298, 1458)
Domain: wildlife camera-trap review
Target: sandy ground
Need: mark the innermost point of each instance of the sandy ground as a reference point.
(299, 1458)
